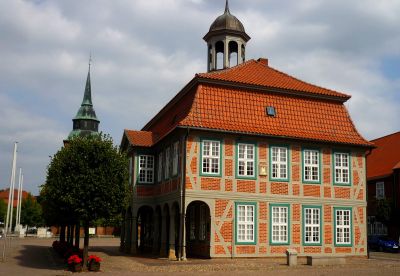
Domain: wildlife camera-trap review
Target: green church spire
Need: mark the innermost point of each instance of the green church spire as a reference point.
(85, 121)
(87, 97)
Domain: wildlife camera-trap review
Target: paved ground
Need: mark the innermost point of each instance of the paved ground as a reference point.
(35, 257)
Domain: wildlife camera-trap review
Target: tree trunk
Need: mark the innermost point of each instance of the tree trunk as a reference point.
(86, 245)
(62, 233)
(71, 238)
(77, 234)
(68, 233)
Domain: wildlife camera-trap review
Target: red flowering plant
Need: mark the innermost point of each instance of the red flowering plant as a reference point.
(94, 258)
(74, 259)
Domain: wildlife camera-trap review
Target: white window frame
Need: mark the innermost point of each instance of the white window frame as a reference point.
(312, 225)
(311, 164)
(279, 163)
(245, 223)
(246, 159)
(380, 190)
(167, 162)
(211, 156)
(279, 224)
(175, 158)
(342, 171)
(148, 167)
(160, 166)
(343, 226)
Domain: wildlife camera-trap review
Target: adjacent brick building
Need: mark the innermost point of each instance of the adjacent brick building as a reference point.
(5, 193)
(246, 161)
(383, 175)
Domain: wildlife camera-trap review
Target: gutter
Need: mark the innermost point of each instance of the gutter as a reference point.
(366, 191)
(369, 147)
(181, 255)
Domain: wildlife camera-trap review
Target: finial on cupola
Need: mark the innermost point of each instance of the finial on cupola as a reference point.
(227, 7)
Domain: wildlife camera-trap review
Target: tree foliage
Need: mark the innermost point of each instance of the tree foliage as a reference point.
(31, 212)
(3, 210)
(86, 181)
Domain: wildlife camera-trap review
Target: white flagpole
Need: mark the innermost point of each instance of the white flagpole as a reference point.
(18, 198)
(11, 192)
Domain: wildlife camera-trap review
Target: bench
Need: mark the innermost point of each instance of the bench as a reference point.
(326, 260)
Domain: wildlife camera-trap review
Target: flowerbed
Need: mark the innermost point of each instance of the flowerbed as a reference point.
(73, 257)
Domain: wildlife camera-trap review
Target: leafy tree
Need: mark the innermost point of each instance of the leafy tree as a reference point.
(31, 212)
(3, 210)
(87, 179)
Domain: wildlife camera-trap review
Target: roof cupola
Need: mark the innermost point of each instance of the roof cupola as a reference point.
(226, 41)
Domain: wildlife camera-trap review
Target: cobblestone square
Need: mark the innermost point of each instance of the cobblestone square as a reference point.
(33, 256)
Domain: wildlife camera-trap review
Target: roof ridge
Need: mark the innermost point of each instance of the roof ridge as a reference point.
(385, 136)
(305, 82)
(221, 71)
(354, 126)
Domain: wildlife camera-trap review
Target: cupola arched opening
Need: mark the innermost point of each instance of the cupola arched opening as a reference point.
(220, 53)
(233, 53)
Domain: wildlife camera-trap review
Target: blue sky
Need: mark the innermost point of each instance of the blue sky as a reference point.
(145, 51)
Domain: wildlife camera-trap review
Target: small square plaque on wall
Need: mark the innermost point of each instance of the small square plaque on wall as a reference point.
(263, 170)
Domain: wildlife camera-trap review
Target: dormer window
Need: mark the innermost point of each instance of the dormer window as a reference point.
(271, 111)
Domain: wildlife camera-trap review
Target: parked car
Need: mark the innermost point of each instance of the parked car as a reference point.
(383, 243)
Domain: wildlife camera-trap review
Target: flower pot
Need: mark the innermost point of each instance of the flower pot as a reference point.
(94, 266)
(75, 267)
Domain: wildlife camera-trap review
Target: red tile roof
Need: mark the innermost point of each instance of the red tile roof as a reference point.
(227, 103)
(140, 138)
(385, 157)
(259, 73)
(241, 110)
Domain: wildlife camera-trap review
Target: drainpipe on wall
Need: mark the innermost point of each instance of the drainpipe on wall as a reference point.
(366, 191)
(181, 255)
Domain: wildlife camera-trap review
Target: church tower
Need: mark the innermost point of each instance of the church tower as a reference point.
(85, 122)
(226, 42)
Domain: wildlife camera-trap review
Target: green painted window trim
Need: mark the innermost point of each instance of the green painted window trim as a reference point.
(175, 175)
(270, 223)
(137, 158)
(334, 170)
(351, 226)
(237, 176)
(303, 166)
(303, 225)
(255, 223)
(167, 148)
(201, 157)
(288, 163)
(158, 168)
(130, 170)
